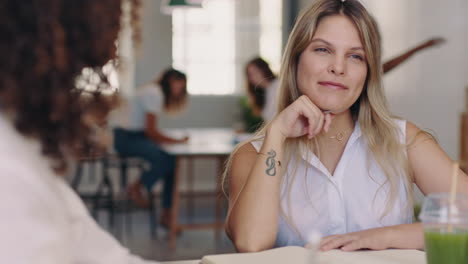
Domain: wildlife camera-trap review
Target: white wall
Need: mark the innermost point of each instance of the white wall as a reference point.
(428, 89)
(155, 53)
(206, 111)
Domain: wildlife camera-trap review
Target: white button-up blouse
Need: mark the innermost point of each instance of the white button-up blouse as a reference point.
(352, 199)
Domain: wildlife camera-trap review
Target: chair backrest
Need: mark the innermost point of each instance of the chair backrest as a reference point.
(464, 142)
(464, 136)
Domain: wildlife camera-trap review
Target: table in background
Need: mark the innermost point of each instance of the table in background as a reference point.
(215, 143)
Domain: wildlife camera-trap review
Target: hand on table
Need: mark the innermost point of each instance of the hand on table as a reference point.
(376, 239)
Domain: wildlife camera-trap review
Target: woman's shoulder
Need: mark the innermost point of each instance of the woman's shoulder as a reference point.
(411, 128)
(274, 86)
(149, 89)
(275, 82)
(14, 146)
(400, 123)
(256, 143)
(410, 131)
(415, 133)
(23, 168)
(248, 148)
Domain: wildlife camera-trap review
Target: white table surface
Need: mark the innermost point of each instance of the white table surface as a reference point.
(203, 141)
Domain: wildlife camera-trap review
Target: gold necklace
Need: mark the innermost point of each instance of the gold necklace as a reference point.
(340, 136)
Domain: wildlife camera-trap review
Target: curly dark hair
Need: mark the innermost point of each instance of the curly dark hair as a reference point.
(257, 94)
(45, 48)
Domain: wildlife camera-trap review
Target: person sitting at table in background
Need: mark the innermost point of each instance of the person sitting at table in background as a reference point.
(47, 118)
(333, 159)
(140, 136)
(262, 85)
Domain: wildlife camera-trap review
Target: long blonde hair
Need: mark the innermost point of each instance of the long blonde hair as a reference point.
(378, 127)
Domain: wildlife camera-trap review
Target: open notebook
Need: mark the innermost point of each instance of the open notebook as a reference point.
(299, 255)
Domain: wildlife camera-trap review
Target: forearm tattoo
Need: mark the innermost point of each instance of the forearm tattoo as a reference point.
(271, 163)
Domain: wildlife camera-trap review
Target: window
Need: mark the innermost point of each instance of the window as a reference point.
(271, 13)
(213, 43)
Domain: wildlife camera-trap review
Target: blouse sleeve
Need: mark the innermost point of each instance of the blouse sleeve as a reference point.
(95, 245)
(152, 100)
(29, 232)
(92, 244)
(44, 222)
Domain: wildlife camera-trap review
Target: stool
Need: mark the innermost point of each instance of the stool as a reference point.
(123, 164)
(105, 196)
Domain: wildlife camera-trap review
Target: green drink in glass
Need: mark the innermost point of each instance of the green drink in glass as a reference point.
(445, 229)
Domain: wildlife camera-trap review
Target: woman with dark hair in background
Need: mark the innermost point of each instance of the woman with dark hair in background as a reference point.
(139, 135)
(46, 121)
(262, 86)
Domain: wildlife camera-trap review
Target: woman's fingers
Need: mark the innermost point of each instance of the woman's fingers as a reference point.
(327, 239)
(305, 125)
(319, 123)
(338, 242)
(301, 118)
(304, 116)
(328, 120)
(314, 116)
(355, 245)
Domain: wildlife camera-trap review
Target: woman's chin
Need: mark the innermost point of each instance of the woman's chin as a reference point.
(334, 109)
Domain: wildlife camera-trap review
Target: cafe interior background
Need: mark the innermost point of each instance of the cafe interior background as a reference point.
(213, 40)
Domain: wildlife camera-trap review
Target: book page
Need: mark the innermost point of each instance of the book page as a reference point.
(391, 256)
(301, 255)
(273, 256)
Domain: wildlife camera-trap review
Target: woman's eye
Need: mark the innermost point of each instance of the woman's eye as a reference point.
(321, 50)
(357, 57)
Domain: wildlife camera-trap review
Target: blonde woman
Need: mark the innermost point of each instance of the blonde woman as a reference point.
(333, 159)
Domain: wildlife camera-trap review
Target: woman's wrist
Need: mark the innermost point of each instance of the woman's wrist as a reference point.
(275, 134)
(407, 236)
(391, 235)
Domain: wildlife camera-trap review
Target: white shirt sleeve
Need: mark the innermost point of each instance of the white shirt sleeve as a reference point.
(29, 233)
(92, 243)
(45, 222)
(152, 100)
